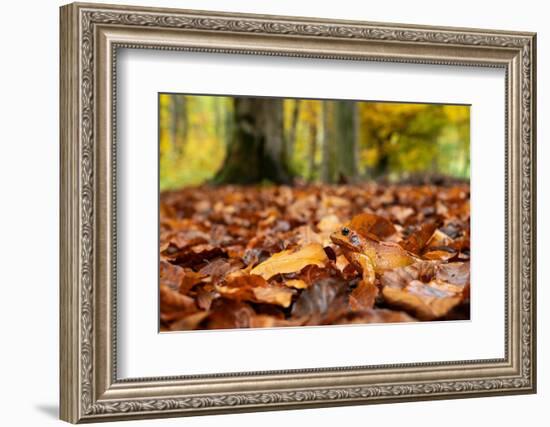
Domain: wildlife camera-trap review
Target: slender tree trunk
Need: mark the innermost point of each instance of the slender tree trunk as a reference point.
(219, 119)
(346, 126)
(291, 139)
(326, 161)
(313, 135)
(174, 122)
(255, 152)
(178, 128)
(383, 161)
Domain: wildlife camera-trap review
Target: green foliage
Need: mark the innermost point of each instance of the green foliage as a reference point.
(193, 158)
(394, 140)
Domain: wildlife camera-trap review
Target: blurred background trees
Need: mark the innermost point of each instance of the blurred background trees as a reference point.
(247, 140)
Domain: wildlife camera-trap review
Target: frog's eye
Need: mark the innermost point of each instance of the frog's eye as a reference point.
(345, 231)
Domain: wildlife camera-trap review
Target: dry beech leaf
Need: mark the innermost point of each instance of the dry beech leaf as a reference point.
(190, 279)
(228, 314)
(321, 303)
(439, 254)
(438, 239)
(174, 300)
(376, 315)
(273, 295)
(383, 255)
(189, 322)
(363, 296)
(289, 262)
(427, 301)
(254, 288)
(421, 290)
(295, 283)
(418, 239)
(171, 275)
(371, 225)
(457, 273)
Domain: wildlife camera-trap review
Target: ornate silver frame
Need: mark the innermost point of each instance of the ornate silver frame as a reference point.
(90, 36)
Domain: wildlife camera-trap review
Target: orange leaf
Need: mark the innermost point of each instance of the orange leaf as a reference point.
(371, 225)
(290, 262)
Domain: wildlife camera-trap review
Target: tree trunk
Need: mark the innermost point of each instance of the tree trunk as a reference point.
(255, 152)
(327, 159)
(383, 161)
(178, 128)
(291, 139)
(346, 118)
(313, 135)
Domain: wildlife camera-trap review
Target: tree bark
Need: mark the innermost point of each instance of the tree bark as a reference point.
(178, 128)
(346, 129)
(327, 159)
(313, 135)
(291, 139)
(256, 148)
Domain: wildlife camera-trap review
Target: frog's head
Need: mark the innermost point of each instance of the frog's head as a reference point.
(348, 239)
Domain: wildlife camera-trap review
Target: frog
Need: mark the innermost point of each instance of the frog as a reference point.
(368, 256)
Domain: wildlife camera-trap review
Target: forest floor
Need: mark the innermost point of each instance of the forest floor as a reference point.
(273, 256)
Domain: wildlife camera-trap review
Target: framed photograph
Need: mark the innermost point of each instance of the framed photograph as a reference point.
(266, 212)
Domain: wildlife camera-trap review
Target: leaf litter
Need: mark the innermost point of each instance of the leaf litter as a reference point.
(272, 256)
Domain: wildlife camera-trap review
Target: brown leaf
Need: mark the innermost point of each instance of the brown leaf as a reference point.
(199, 255)
(219, 267)
(363, 296)
(171, 275)
(376, 315)
(174, 300)
(418, 290)
(442, 254)
(456, 273)
(254, 288)
(372, 226)
(273, 295)
(418, 239)
(189, 280)
(289, 262)
(189, 322)
(229, 314)
(383, 255)
(322, 302)
(295, 283)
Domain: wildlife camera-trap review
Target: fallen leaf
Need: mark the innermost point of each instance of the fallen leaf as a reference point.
(273, 295)
(295, 283)
(418, 290)
(189, 280)
(372, 226)
(363, 296)
(418, 239)
(189, 322)
(427, 301)
(383, 255)
(171, 275)
(376, 315)
(322, 302)
(442, 254)
(174, 300)
(289, 262)
(229, 314)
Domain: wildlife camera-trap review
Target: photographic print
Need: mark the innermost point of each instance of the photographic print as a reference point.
(282, 212)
